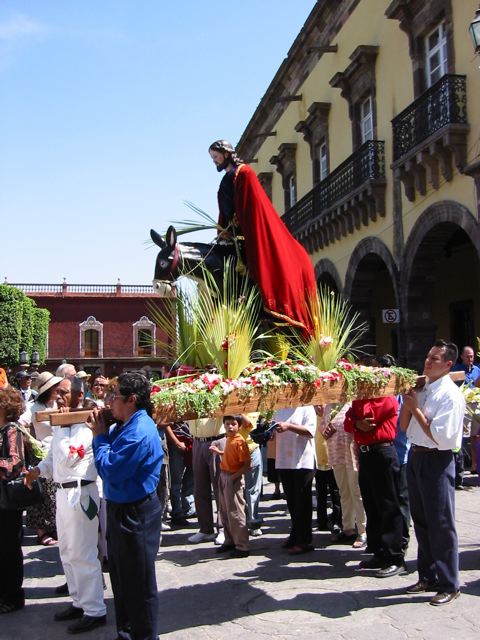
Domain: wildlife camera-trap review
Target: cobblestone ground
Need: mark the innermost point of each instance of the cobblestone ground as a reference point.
(269, 594)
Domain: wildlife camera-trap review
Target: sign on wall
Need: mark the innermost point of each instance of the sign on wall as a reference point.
(390, 316)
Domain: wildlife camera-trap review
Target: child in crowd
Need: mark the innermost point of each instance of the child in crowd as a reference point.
(235, 461)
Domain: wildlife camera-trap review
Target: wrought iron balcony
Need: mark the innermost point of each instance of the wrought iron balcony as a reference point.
(429, 132)
(336, 204)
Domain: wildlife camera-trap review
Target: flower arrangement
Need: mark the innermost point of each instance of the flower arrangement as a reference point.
(472, 400)
(208, 393)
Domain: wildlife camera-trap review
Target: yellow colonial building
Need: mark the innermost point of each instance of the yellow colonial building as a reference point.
(368, 141)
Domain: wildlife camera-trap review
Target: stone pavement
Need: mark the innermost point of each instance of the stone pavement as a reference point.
(203, 595)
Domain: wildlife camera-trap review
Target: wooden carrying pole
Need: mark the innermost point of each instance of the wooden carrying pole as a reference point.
(304, 394)
(236, 402)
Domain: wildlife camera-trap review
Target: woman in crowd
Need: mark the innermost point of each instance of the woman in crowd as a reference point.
(12, 458)
(42, 517)
(343, 457)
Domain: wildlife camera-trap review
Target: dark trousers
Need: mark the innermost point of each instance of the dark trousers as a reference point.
(11, 557)
(133, 534)
(377, 478)
(326, 485)
(459, 467)
(206, 472)
(297, 486)
(403, 499)
(431, 485)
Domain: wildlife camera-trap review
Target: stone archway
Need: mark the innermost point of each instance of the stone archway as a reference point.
(371, 285)
(326, 274)
(440, 279)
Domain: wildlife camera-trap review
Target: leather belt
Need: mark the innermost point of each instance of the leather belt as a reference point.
(365, 448)
(211, 438)
(70, 485)
(417, 447)
(149, 496)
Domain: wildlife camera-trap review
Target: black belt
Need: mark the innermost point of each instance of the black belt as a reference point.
(70, 485)
(210, 438)
(417, 447)
(149, 496)
(365, 448)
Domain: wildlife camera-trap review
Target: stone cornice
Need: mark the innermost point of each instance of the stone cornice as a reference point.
(321, 27)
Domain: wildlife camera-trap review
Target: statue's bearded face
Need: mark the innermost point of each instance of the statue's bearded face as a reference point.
(221, 160)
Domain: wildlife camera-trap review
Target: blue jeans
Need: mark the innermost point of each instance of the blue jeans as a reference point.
(181, 479)
(253, 489)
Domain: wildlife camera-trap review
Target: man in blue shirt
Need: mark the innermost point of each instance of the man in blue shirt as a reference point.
(472, 374)
(128, 457)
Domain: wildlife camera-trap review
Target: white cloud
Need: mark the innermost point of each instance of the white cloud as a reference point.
(19, 26)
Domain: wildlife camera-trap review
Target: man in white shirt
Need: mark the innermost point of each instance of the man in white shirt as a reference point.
(296, 462)
(433, 419)
(70, 462)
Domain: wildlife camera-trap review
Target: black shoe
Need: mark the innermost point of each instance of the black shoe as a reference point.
(180, 522)
(225, 547)
(70, 613)
(373, 563)
(421, 586)
(391, 570)
(87, 623)
(443, 597)
(62, 590)
(239, 553)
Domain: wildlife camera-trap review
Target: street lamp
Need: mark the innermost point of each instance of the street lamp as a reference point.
(23, 359)
(35, 360)
(475, 31)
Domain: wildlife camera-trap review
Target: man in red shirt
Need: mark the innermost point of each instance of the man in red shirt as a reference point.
(374, 425)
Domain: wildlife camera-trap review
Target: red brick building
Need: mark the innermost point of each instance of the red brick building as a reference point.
(101, 328)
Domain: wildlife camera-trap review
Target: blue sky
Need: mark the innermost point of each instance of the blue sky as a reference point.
(107, 109)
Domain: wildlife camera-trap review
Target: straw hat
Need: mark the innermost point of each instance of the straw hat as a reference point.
(46, 381)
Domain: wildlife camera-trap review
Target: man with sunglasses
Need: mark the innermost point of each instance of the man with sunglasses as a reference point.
(128, 457)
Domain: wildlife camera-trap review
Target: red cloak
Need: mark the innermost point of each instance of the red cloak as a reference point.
(275, 260)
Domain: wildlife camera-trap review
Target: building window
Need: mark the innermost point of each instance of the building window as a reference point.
(91, 343)
(358, 86)
(366, 120)
(315, 132)
(144, 337)
(323, 161)
(286, 167)
(292, 192)
(436, 56)
(91, 338)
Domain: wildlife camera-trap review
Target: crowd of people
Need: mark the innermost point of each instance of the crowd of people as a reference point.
(112, 484)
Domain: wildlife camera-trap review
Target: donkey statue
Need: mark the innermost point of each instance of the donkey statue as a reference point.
(176, 259)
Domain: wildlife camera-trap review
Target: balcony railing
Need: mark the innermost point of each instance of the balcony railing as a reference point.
(443, 104)
(367, 163)
(84, 288)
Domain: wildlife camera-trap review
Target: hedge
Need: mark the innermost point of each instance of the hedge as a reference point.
(23, 326)
(11, 316)
(40, 333)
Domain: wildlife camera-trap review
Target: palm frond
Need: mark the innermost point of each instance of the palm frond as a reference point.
(228, 321)
(337, 331)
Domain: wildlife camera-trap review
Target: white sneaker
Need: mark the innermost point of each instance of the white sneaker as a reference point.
(164, 526)
(201, 537)
(255, 533)
(220, 539)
